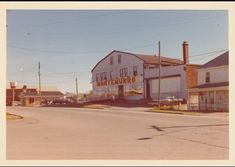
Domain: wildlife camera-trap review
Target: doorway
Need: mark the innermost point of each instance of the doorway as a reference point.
(147, 90)
(120, 91)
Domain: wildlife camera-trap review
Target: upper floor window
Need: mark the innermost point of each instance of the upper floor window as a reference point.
(111, 60)
(119, 59)
(135, 72)
(207, 77)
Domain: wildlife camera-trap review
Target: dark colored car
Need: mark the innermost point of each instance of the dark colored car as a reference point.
(60, 101)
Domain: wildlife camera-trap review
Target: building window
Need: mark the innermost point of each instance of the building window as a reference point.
(135, 71)
(97, 77)
(103, 76)
(207, 77)
(121, 72)
(202, 98)
(119, 59)
(31, 100)
(124, 72)
(111, 60)
(111, 75)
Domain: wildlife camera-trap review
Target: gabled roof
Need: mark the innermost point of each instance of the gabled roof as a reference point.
(221, 60)
(148, 59)
(44, 93)
(109, 55)
(152, 59)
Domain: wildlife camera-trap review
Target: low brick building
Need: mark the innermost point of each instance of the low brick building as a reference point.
(31, 96)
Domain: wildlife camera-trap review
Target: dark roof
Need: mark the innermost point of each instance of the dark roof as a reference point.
(218, 61)
(44, 93)
(54, 93)
(152, 59)
(211, 85)
(149, 59)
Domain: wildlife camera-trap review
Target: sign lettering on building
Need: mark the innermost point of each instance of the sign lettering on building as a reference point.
(123, 80)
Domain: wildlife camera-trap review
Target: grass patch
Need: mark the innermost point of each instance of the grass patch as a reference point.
(95, 106)
(157, 110)
(13, 116)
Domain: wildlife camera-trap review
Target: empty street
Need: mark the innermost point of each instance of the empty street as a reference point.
(51, 133)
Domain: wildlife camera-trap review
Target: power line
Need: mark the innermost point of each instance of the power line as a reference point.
(74, 52)
(202, 54)
(145, 27)
(69, 20)
(206, 55)
(49, 51)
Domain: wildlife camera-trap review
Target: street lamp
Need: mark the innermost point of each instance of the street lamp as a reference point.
(13, 86)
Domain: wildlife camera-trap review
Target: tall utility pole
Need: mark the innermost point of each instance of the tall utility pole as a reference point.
(77, 87)
(159, 73)
(39, 78)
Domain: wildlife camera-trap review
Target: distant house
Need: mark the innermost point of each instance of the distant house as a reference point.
(212, 90)
(31, 97)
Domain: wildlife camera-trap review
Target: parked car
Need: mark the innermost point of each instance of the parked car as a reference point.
(60, 101)
(169, 100)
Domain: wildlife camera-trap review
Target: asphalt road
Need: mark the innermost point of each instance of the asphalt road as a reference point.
(115, 134)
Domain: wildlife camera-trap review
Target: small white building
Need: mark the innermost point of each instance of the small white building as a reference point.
(211, 92)
(135, 76)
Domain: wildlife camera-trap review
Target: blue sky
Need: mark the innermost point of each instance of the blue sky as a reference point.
(68, 43)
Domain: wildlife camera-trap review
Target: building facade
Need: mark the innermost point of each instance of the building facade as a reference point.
(30, 96)
(119, 74)
(211, 92)
(135, 76)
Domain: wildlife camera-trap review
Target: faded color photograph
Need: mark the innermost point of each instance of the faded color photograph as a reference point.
(117, 85)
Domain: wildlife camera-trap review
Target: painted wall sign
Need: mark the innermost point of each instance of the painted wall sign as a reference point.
(122, 80)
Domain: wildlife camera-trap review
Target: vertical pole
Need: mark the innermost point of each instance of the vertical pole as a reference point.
(39, 78)
(77, 87)
(13, 96)
(159, 73)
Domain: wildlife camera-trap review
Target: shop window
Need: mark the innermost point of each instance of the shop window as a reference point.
(119, 59)
(135, 72)
(207, 77)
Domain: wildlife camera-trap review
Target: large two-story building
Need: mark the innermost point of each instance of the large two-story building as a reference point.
(135, 76)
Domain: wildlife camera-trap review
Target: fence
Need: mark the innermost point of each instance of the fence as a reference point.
(208, 106)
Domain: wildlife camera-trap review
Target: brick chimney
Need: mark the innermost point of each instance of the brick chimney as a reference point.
(185, 52)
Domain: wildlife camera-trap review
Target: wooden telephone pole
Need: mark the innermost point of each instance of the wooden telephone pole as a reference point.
(77, 87)
(39, 78)
(159, 73)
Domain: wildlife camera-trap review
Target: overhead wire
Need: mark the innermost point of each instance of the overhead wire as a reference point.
(68, 20)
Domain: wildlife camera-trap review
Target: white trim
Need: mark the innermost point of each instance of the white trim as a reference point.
(211, 68)
(208, 89)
